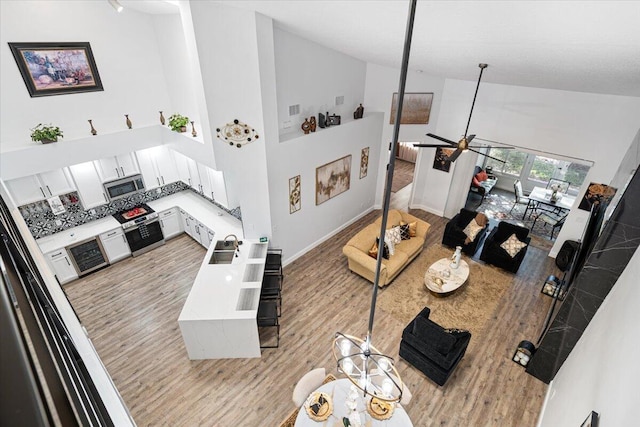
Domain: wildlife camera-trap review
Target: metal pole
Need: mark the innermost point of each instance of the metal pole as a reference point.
(390, 166)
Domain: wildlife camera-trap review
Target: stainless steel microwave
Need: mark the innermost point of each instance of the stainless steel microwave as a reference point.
(124, 187)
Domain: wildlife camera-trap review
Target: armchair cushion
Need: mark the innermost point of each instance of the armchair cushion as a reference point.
(512, 245)
(433, 333)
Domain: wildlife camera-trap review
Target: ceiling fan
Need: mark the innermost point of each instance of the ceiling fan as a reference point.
(463, 144)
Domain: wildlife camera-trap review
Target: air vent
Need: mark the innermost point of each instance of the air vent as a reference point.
(258, 250)
(339, 100)
(248, 299)
(294, 110)
(252, 273)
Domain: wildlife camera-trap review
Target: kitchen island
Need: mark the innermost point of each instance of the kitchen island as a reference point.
(218, 319)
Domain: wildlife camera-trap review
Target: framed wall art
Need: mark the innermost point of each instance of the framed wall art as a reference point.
(332, 179)
(295, 202)
(416, 108)
(364, 162)
(57, 68)
(440, 161)
(596, 193)
(591, 421)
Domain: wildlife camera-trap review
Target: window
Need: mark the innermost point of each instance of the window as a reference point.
(543, 169)
(513, 161)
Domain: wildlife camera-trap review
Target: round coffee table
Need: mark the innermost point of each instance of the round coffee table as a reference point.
(442, 280)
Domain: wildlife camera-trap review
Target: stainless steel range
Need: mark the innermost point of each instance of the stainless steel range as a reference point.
(142, 229)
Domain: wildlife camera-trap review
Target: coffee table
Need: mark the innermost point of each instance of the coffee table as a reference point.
(451, 278)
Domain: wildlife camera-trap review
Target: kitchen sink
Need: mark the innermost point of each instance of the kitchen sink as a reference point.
(222, 257)
(226, 245)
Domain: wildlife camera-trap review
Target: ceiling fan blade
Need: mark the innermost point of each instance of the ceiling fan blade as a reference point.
(442, 139)
(470, 138)
(486, 155)
(432, 145)
(504, 148)
(452, 158)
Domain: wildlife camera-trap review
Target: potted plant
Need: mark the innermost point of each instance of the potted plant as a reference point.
(46, 134)
(178, 122)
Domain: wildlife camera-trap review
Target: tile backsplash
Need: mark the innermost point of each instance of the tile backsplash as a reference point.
(43, 222)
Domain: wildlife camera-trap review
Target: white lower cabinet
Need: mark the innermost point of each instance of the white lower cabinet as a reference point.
(171, 222)
(115, 245)
(198, 231)
(60, 263)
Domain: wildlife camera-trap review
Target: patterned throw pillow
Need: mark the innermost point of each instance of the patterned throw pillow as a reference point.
(472, 229)
(373, 252)
(404, 232)
(412, 227)
(393, 235)
(512, 245)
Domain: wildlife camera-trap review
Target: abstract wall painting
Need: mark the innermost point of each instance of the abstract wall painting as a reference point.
(332, 179)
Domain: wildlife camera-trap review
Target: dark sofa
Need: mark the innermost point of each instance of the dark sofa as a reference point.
(431, 349)
(454, 232)
(493, 254)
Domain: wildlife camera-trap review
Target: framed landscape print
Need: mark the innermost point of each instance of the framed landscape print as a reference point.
(332, 179)
(364, 162)
(440, 161)
(56, 68)
(596, 193)
(416, 108)
(294, 194)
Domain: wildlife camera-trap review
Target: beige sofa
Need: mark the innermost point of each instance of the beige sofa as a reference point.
(357, 249)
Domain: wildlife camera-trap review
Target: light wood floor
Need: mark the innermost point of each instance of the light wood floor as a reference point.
(131, 308)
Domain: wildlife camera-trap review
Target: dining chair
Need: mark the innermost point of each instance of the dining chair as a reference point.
(555, 221)
(562, 184)
(305, 385)
(521, 199)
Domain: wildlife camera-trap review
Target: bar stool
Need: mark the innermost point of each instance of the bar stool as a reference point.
(273, 263)
(272, 290)
(267, 317)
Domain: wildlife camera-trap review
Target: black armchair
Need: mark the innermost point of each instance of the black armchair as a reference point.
(431, 349)
(493, 253)
(454, 232)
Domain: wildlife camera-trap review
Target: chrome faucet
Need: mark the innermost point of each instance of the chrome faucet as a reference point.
(235, 242)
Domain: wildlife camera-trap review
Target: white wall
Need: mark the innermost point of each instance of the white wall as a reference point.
(594, 127)
(312, 76)
(601, 372)
(127, 56)
(381, 84)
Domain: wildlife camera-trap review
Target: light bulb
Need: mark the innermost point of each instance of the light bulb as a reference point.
(347, 366)
(383, 363)
(345, 346)
(387, 386)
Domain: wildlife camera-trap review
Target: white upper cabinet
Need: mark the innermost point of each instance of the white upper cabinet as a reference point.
(89, 184)
(119, 166)
(218, 187)
(157, 167)
(29, 189)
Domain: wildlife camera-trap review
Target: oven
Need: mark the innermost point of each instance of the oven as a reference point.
(88, 256)
(144, 234)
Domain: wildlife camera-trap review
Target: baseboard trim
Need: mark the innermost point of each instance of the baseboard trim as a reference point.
(303, 251)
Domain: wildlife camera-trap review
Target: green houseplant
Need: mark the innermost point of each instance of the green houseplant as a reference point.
(178, 122)
(46, 134)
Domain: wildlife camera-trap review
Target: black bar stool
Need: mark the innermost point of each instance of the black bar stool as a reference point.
(268, 318)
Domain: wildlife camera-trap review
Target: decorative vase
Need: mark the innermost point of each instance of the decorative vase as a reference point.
(306, 126)
(162, 119)
(193, 130)
(313, 124)
(359, 112)
(455, 258)
(322, 122)
(554, 196)
(183, 129)
(93, 130)
(129, 124)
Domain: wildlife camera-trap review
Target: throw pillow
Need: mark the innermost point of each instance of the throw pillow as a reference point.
(373, 252)
(393, 235)
(389, 245)
(482, 176)
(412, 227)
(512, 245)
(404, 232)
(471, 230)
(475, 182)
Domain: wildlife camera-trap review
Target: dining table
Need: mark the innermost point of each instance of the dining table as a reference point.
(339, 391)
(541, 195)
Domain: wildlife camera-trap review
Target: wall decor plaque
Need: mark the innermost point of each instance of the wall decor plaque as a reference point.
(416, 108)
(332, 179)
(295, 200)
(364, 162)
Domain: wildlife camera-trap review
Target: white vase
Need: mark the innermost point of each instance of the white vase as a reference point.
(455, 258)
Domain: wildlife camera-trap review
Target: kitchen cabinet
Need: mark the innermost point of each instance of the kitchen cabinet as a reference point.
(115, 167)
(89, 185)
(203, 234)
(189, 224)
(29, 189)
(157, 167)
(115, 245)
(60, 263)
(171, 223)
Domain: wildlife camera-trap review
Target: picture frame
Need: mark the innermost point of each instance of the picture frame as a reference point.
(295, 199)
(57, 68)
(332, 179)
(440, 161)
(416, 108)
(364, 162)
(595, 194)
(591, 421)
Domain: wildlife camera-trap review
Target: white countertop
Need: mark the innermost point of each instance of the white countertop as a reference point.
(208, 214)
(217, 288)
(77, 234)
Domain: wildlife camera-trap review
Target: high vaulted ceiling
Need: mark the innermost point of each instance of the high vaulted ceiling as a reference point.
(585, 46)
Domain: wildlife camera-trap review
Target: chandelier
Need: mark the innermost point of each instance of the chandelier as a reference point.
(367, 368)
